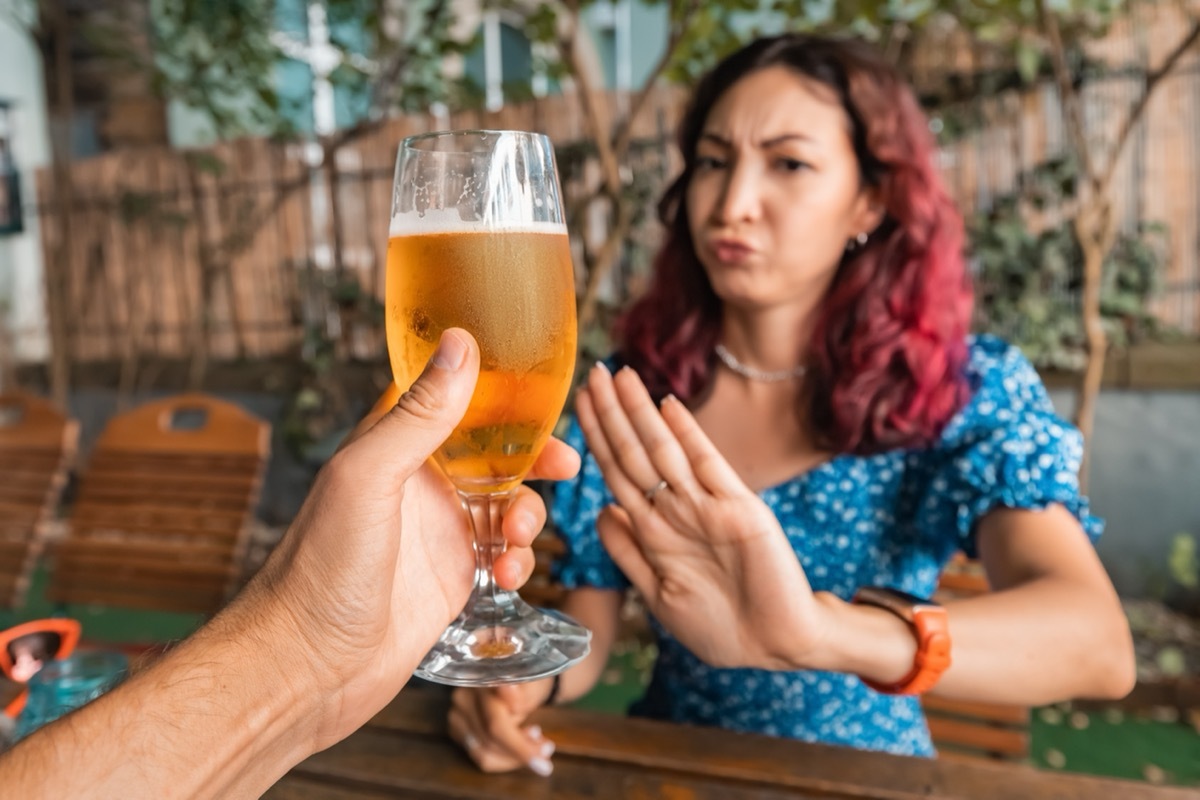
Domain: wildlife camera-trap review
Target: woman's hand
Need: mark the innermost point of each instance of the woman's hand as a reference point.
(490, 726)
(710, 558)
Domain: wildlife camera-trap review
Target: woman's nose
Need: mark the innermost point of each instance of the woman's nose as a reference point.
(741, 198)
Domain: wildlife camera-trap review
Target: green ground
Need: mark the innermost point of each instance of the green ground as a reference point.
(102, 625)
(1107, 743)
(1120, 746)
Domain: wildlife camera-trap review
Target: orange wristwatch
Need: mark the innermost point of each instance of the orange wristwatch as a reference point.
(929, 623)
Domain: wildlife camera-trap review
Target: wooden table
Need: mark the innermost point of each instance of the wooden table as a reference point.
(405, 753)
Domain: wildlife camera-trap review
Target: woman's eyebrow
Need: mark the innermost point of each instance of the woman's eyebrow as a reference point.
(785, 137)
(717, 139)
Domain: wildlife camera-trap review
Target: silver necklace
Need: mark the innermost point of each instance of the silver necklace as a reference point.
(755, 374)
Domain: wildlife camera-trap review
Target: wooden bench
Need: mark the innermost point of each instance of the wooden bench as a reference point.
(37, 444)
(960, 730)
(404, 752)
(164, 508)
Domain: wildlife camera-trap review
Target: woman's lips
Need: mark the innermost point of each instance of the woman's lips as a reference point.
(730, 251)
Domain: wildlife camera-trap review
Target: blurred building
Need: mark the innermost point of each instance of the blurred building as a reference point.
(102, 103)
(24, 147)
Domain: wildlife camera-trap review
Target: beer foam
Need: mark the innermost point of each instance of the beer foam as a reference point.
(443, 221)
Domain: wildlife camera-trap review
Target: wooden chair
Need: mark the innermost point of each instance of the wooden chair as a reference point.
(37, 444)
(164, 508)
(965, 730)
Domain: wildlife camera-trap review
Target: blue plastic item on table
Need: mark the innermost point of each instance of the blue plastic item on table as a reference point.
(63, 686)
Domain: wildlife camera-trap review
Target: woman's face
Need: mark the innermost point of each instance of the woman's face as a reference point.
(775, 195)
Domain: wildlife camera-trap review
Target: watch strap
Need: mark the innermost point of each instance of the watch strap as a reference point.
(929, 623)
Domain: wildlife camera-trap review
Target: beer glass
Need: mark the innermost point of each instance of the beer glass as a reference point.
(478, 241)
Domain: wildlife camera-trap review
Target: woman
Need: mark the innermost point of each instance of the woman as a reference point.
(827, 433)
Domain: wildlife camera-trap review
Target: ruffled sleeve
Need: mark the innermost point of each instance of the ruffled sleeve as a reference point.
(573, 512)
(1006, 448)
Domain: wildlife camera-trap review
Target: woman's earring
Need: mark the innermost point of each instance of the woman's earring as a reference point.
(857, 242)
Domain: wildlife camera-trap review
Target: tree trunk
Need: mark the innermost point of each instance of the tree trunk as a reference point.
(57, 283)
(8, 360)
(332, 184)
(132, 341)
(613, 143)
(55, 39)
(606, 259)
(199, 333)
(1094, 231)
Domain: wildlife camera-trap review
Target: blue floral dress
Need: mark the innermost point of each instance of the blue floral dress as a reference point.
(891, 519)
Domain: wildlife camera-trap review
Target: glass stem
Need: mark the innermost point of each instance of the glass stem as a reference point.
(486, 511)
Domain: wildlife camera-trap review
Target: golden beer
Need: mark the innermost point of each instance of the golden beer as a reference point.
(477, 241)
(513, 290)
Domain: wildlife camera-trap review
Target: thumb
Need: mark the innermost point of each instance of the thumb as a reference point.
(425, 415)
(619, 537)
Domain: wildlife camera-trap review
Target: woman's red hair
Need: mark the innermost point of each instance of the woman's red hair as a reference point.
(886, 360)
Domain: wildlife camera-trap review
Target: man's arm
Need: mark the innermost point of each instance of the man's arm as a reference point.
(225, 714)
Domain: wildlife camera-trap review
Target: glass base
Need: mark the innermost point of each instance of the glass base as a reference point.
(505, 642)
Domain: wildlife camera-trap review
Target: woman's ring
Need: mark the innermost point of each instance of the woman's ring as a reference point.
(658, 487)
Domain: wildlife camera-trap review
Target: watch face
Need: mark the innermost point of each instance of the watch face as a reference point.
(911, 599)
(900, 603)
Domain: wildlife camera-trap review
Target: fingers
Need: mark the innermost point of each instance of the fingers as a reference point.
(462, 729)
(524, 518)
(426, 414)
(627, 493)
(653, 434)
(622, 438)
(711, 468)
(489, 725)
(558, 462)
(523, 521)
(513, 568)
(617, 535)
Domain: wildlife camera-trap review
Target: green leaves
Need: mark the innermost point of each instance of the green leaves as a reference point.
(227, 58)
(217, 56)
(1029, 60)
(541, 25)
(1028, 279)
(710, 35)
(1183, 563)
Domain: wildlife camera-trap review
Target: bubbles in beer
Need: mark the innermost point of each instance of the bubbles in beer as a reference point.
(513, 290)
(422, 326)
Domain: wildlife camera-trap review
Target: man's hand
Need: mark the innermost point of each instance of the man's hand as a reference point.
(379, 561)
